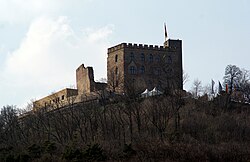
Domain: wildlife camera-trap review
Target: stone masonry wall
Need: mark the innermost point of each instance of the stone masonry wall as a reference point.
(85, 79)
(145, 66)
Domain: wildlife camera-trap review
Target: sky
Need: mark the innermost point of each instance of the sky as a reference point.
(42, 42)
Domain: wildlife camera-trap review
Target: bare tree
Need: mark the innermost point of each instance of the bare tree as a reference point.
(244, 79)
(115, 80)
(9, 129)
(233, 75)
(196, 88)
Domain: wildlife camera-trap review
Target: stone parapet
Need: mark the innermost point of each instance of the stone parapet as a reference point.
(135, 46)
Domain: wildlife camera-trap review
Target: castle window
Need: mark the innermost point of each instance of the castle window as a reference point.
(116, 58)
(169, 59)
(157, 71)
(157, 59)
(62, 97)
(170, 72)
(132, 70)
(151, 59)
(159, 85)
(116, 71)
(132, 56)
(116, 83)
(142, 70)
(142, 57)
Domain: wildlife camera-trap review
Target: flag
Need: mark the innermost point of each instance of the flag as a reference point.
(220, 87)
(166, 34)
(213, 86)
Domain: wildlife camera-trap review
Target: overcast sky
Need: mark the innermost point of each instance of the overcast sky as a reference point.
(42, 42)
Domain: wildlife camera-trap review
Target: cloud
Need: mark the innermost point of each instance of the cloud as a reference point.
(49, 54)
(16, 11)
(99, 34)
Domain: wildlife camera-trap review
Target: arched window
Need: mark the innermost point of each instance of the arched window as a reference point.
(169, 59)
(157, 71)
(116, 71)
(142, 57)
(151, 59)
(132, 56)
(142, 70)
(132, 70)
(116, 58)
(170, 72)
(159, 84)
(116, 83)
(157, 59)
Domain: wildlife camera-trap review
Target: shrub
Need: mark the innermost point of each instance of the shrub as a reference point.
(128, 151)
(94, 153)
(35, 151)
(72, 154)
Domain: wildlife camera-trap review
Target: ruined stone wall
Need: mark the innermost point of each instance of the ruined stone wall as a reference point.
(85, 79)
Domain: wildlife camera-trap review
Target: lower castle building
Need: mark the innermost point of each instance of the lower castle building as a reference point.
(131, 68)
(87, 89)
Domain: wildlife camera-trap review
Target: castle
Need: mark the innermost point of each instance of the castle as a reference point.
(131, 68)
(135, 67)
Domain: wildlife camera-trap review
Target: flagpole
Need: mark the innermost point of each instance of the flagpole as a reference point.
(165, 30)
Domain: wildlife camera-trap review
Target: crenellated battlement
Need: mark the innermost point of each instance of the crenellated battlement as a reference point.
(135, 46)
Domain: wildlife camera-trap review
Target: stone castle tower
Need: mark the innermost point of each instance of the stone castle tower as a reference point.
(137, 67)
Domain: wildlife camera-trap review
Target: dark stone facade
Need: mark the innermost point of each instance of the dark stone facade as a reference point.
(135, 67)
